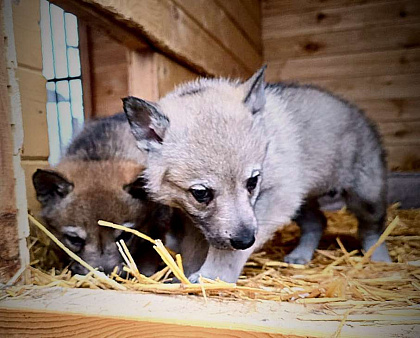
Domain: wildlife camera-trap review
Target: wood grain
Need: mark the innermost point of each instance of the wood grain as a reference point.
(171, 74)
(179, 36)
(278, 7)
(218, 24)
(401, 133)
(377, 87)
(393, 62)
(82, 312)
(342, 18)
(14, 323)
(244, 20)
(368, 39)
(34, 113)
(399, 109)
(108, 70)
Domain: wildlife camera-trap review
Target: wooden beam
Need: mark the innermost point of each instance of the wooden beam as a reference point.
(13, 209)
(69, 312)
(171, 31)
(209, 15)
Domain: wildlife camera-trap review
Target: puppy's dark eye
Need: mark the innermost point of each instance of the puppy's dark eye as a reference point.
(75, 241)
(252, 182)
(201, 193)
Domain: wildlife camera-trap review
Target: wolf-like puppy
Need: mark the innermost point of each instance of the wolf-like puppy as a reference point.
(243, 159)
(99, 178)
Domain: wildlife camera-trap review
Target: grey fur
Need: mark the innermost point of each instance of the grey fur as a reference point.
(305, 141)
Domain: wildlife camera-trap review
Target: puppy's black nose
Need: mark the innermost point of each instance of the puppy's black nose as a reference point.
(243, 240)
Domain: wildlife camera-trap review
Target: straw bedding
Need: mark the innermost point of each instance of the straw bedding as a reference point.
(339, 276)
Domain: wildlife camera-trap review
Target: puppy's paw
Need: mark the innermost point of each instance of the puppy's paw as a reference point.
(297, 256)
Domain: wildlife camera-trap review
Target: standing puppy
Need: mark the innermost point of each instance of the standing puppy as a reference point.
(99, 179)
(243, 159)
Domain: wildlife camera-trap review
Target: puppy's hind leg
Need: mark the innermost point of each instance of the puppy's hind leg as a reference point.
(312, 222)
(371, 217)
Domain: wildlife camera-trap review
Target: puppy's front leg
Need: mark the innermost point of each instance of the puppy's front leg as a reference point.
(224, 264)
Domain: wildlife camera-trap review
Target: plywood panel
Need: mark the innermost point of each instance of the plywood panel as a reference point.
(218, 24)
(348, 65)
(342, 18)
(170, 29)
(344, 42)
(33, 100)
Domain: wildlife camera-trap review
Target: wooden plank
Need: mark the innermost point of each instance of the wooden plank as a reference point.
(217, 24)
(172, 31)
(29, 168)
(400, 133)
(26, 16)
(378, 87)
(170, 74)
(41, 323)
(278, 7)
(344, 42)
(338, 19)
(254, 9)
(33, 99)
(142, 75)
(109, 71)
(69, 312)
(239, 14)
(346, 66)
(391, 109)
(403, 157)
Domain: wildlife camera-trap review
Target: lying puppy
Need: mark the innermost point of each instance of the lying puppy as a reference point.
(99, 179)
(243, 159)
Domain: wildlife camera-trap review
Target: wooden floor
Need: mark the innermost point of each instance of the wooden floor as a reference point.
(81, 312)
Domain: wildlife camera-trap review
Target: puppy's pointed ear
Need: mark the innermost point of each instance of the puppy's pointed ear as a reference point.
(137, 188)
(50, 186)
(147, 122)
(254, 91)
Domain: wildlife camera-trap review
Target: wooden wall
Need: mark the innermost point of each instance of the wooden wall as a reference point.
(366, 50)
(33, 97)
(212, 37)
(112, 71)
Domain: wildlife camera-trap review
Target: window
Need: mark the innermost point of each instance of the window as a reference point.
(62, 69)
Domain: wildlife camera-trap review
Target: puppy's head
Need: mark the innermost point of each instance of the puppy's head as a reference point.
(78, 194)
(206, 147)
